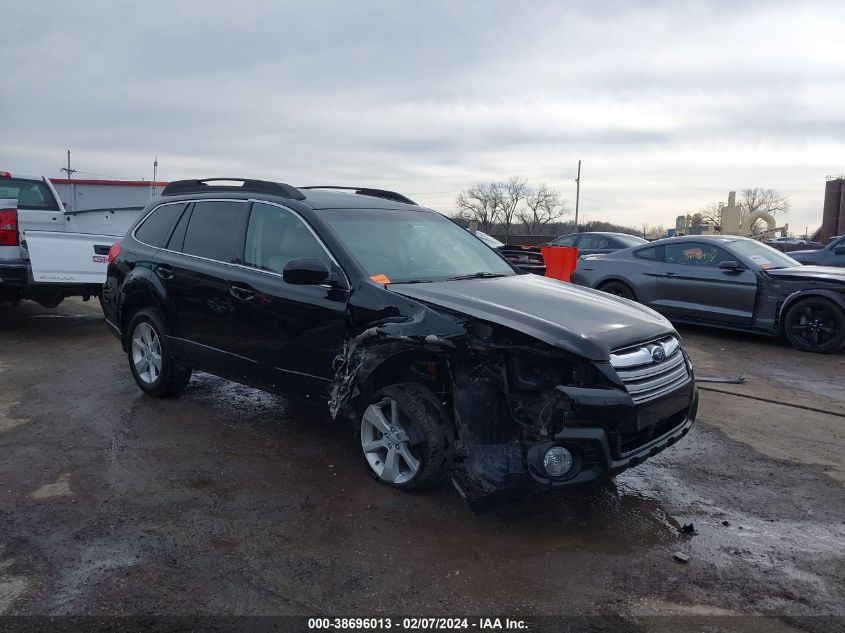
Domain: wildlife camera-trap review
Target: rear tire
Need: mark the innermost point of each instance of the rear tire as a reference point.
(815, 324)
(150, 360)
(618, 289)
(406, 437)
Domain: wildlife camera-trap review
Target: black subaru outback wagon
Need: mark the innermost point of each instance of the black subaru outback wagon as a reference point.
(451, 362)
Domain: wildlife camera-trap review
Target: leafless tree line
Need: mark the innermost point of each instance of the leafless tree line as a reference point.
(510, 202)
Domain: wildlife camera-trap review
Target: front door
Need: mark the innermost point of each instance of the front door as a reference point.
(293, 331)
(691, 285)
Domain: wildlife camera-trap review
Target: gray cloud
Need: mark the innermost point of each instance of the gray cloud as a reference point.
(669, 104)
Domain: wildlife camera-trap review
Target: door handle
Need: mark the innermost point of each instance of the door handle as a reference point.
(670, 274)
(164, 271)
(244, 293)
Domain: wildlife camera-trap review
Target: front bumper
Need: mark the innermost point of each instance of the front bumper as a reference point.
(596, 455)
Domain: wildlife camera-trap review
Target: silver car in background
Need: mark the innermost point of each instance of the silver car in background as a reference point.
(729, 282)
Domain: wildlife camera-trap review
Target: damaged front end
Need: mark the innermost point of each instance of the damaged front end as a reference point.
(512, 399)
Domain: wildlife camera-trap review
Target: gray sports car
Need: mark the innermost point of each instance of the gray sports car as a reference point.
(729, 282)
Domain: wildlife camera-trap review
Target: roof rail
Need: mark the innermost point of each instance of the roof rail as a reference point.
(366, 191)
(206, 185)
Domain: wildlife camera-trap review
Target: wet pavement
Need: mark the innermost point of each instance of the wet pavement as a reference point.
(232, 501)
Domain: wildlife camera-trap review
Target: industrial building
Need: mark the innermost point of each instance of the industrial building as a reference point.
(83, 195)
(833, 216)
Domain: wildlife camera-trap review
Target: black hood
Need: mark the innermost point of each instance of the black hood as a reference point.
(825, 274)
(580, 320)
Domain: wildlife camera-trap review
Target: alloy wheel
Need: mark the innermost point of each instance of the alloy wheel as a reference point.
(386, 445)
(146, 353)
(815, 325)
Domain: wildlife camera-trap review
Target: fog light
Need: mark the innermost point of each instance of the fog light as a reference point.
(557, 461)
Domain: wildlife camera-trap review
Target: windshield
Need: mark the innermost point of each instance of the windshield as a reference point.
(631, 240)
(403, 246)
(762, 255)
(491, 241)
(30, 194)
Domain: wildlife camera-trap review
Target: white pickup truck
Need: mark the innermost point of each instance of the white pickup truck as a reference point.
(48, 253)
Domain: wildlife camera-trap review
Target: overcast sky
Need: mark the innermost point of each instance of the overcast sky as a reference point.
(669, 105)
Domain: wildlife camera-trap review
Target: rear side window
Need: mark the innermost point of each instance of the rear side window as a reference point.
(588, 241)
(155, 229)
(648, 253)
(566, 240)
(212, 230)
(30, 194)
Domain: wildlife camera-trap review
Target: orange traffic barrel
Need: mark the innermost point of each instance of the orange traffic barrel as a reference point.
(560, 261)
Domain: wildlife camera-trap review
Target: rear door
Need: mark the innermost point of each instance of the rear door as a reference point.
(195, 269)
(691, 285)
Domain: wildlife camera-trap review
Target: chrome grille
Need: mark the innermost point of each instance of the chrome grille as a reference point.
(646, 378)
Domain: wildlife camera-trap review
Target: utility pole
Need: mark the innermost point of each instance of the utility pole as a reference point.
(155, 173)
(577, 194)
(67, 169)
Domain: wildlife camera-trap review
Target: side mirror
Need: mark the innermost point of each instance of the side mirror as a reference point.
(729, 264)
(839, 250)
(306, 271)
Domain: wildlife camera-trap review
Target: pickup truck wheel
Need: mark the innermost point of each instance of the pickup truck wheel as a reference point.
(618, 289)
(815, 324)
(150, 361)
(407, 438)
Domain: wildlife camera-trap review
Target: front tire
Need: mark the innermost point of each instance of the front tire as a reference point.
(407, 438)
(815, 324)
(150, 360)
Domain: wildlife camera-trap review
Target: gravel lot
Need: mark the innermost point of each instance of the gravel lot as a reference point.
(231, 501)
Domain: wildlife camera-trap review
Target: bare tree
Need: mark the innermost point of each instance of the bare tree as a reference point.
(513, 191)
(481, 204)
(712, 213)
(768, 200)
(544, 205)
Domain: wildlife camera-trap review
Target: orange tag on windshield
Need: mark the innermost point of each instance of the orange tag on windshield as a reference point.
(381, 279)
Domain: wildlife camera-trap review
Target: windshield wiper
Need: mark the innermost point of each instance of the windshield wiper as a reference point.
(414, 281)
(478, 275)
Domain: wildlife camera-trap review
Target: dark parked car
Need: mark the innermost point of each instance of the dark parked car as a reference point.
(729, 282)
(598, 242)
(831, 255)
(527, 258)
(450, 361)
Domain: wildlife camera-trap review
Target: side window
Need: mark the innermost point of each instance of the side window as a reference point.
(650, 253)
(693, 254)
(589, 241)
(212, 229)
(177, 238)
(566, 240)
(274, 236)
(155, 229)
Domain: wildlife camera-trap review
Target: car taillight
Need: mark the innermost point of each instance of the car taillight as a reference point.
(535, 260)
(9, 227)
(114, 251)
